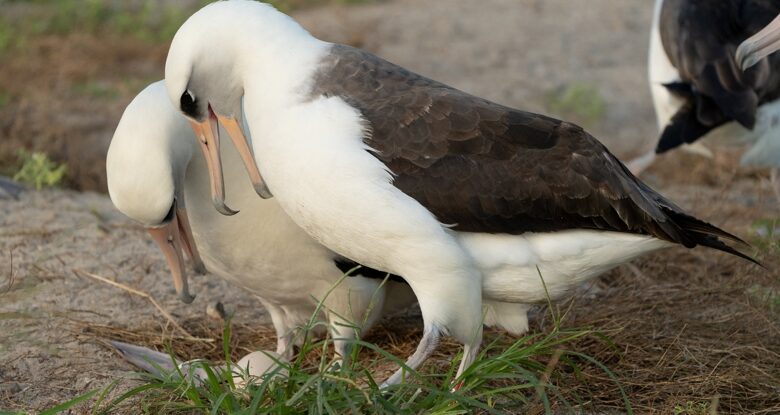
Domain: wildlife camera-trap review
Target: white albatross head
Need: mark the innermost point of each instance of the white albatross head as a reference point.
(204, 75)
(760, 45)
(146, 166)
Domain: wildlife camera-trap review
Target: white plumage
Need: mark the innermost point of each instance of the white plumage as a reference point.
(151, 161)
(312, 153)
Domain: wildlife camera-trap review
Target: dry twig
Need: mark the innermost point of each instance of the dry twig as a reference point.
(139, 293)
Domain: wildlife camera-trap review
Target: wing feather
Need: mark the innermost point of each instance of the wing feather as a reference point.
(484, 167)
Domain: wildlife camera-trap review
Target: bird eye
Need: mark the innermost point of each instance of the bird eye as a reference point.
(188, 104)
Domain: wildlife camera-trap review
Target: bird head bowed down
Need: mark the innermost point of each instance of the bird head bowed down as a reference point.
(145, 169)
(201, 79)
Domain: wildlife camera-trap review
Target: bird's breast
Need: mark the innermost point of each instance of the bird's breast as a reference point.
(322, 174)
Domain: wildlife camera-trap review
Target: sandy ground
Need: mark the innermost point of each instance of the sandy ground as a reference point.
(47, 239)
(514, 52)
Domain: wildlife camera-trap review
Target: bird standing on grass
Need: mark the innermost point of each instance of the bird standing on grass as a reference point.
(153, 175)
(462, 197)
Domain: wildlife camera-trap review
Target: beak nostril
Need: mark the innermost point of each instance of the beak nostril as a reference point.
(168, 240)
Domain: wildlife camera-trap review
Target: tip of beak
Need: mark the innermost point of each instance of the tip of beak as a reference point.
(223, 208)
(745, 57)
(263, 191)
(186, 297)
(199, 267)
(749, 62)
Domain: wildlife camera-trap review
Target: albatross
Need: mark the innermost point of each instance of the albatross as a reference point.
(698, 86)
(462, 197)
(153, 176)
(754, 51)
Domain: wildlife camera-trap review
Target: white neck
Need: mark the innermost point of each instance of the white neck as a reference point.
(276, 60)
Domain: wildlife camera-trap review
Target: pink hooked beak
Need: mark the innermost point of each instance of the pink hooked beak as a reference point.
(207, 132)
(169, 238)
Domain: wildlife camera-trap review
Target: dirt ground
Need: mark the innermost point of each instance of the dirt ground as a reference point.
(692, 326)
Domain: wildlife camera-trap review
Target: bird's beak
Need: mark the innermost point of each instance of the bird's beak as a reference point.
(756, 47)
(242, 145)
(168, 238)
(207, 133)
(189, 240)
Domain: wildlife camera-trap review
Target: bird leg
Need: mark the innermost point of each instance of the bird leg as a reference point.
(284, 333)
(428, 344)
(469, 355)
(343, 335)
(283, 346)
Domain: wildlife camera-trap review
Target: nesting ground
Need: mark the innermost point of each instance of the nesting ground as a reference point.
(689, 329)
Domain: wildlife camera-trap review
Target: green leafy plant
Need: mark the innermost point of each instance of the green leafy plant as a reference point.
(39, 171)
(692, 408)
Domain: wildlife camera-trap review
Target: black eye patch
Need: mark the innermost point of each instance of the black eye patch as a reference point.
(188, 104)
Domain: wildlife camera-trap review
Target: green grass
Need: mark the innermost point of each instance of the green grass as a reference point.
(6, 35)
(578, 101)
(504, 379)
(38, 171)
(5, 97)
(693, 408)
(509, 376)
(766, 235)
(145, 20)
(96, 89)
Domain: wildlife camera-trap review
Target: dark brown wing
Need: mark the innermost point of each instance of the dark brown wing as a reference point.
(700, 38)
(483, 167)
